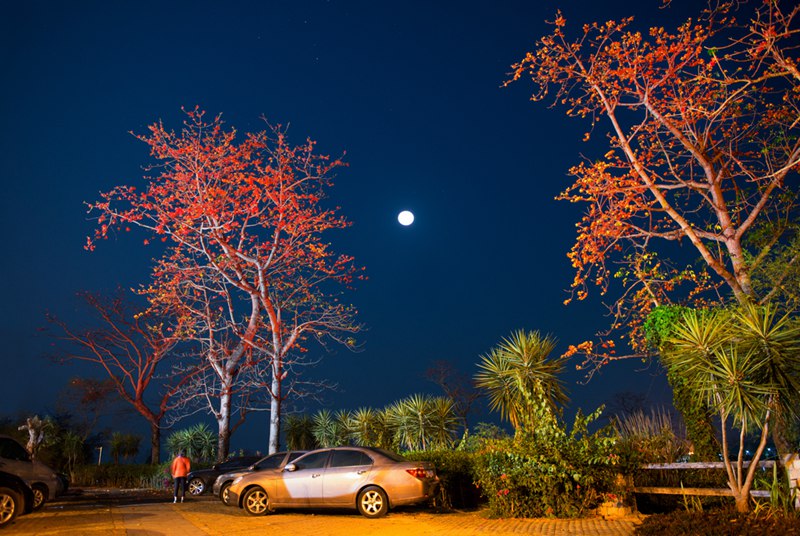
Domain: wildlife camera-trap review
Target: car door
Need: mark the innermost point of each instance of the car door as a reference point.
(300, 483)
(347, 472)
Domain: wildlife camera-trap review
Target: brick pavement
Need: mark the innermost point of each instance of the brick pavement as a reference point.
(209, 517)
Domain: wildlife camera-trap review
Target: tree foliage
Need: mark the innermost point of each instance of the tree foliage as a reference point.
(245, 268)
(703, 150)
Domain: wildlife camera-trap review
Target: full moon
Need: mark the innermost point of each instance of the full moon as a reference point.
(406, 218)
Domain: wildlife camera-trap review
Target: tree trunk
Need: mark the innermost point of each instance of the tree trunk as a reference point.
(155, 443)
(275, 412)
(224, 425)
(743, 502)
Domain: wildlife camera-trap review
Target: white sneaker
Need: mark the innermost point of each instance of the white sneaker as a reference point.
(175, 500)
(181, 499)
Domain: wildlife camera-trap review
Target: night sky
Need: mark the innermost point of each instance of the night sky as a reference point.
(411, 91)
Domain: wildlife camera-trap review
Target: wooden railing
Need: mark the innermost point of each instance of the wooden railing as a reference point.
(708, 492)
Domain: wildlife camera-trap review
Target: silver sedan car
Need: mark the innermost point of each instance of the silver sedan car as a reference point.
(273, 461)
(371, 480)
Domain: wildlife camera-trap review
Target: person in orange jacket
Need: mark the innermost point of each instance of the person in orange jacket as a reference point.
(180, 468)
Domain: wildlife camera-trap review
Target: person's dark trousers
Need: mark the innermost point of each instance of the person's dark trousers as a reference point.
(180, 484)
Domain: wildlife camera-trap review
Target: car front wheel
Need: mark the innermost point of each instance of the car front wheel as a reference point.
(372, 502)
(39, 496)
(256, 502)
(223, 493)
(10, 505)
(196, 486)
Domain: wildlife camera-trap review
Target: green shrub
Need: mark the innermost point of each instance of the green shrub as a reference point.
(456, 470)
(546, 471)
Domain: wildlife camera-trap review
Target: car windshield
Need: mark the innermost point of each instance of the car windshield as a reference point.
(271, 462)
(11, 450)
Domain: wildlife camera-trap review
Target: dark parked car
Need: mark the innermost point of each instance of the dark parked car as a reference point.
(273, 461)
(367, 479)
(201, 480)
(16, 497)
(14, 459)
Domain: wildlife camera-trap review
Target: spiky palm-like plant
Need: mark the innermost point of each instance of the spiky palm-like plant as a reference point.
(364, 427)
(443, 422)
(420, 422)
(518, 367)
(744, 362)
(404, 423)
(330, 430)
(198, 442)
(299, 431)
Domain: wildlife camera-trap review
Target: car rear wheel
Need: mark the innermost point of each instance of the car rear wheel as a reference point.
(372, 502)
(10, 505)
(223, 493)
(256, 502)
(197, 486)
(39, 496)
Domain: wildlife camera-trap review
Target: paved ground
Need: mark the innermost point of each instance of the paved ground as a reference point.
(207, 516)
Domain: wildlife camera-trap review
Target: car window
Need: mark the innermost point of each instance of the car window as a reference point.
(347, 458)
(271, 462)
(314, 460)
(294, 455)
(11, 450)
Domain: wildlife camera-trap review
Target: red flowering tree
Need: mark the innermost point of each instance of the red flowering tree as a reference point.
(243, 220)
(696, 193)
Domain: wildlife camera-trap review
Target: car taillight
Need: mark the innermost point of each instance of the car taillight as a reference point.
(419, 472)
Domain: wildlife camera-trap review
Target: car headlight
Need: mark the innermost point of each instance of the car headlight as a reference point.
(237, 479)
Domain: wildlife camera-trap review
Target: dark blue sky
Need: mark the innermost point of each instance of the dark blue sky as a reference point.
(410, 90)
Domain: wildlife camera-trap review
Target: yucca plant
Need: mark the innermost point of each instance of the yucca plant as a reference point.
(330, 430)
(517, 367)
(198, 442)
(744, 363)
(364, 427)
(443, 422)
(299, 430)
(421, 422)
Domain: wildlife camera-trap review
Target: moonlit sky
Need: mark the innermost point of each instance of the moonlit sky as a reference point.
(410, 91)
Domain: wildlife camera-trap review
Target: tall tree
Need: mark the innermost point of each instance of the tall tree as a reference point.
(703, 152)
(247, 215)
(131, 348)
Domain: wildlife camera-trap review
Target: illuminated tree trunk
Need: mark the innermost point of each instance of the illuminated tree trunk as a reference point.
(275, 407)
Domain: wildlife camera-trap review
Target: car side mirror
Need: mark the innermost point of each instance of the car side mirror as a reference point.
(290, 467)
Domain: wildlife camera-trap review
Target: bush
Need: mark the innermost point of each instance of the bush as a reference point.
(456, 471)
(545, 471)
